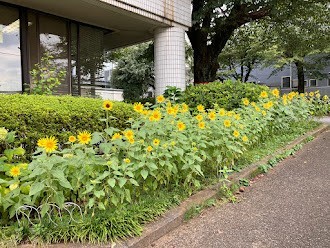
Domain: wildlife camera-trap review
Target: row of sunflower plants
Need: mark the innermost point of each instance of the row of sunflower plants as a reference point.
(168, 146)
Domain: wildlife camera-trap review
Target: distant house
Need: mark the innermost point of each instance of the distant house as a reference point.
(79, 34)
(286, 79)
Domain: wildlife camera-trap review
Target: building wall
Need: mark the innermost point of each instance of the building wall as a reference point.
(171, 12)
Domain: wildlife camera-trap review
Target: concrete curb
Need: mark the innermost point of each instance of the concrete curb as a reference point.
(175, 217)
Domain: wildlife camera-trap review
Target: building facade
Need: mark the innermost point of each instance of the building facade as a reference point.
(79, 36)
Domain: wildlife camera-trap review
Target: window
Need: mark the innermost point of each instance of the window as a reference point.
(328, 81)
(10, 55)
(312, 82)
(286, 82)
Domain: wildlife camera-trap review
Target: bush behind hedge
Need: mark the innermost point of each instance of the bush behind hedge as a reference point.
(33, 116)
(227, 94)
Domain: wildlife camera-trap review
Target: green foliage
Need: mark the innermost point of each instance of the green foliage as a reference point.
(174, 94)
(46, 76)
(34, 117)
(134, 71)
(227, 95)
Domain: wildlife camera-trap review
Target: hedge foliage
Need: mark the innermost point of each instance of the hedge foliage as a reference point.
(34, 117)
(227, 95)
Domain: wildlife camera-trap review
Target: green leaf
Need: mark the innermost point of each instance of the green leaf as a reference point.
(134, 182)
(101, 206)
(111, 182)
(114, 199)
(122, 182)
(36, 188)
(99, 193)
(144, 174)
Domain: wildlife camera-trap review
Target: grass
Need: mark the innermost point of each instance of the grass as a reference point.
(128, 219)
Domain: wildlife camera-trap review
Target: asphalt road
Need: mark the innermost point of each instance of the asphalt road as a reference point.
(288, 207)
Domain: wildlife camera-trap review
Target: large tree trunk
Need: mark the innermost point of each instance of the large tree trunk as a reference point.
(209, 35)
(301, 76)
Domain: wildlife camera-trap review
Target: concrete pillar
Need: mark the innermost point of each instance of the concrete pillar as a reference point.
(170, 67)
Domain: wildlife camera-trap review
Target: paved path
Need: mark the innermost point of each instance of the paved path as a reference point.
(325, 119)
(289, 207)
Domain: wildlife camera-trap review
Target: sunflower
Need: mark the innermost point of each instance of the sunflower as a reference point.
(131, 141)
(199, 117)
(13, 186)
(160, 99)
(156, 142)
(48, 143)
(253, 104)
(129, 134)
(264, 113)
(212, 116)
(263, 94)
(246, 101)
(184, 108)
(116, 136)
(201, 125)
(257, 108)
(230, 113)
(222, 112)
(325, 98)
(107, 105)
(84, 137)
(200, 108)
(236, 133)
(41, 142)
(149, 148)
(181, 126)
(155, 115)
(138, 107)
(171, 111)
(15, 171)
(227, 123)
(276, 93)
(72, 139)
(127, 160)
(245, 138)
(237, 117)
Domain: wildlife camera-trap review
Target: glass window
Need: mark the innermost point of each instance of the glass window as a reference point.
(312, 82)
(10, 55)
(286, 82)
(95, 68)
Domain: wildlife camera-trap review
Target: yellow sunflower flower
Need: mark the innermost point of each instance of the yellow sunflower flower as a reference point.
(212, 115)
(171, 111)
(138, 107)
(129, 134)
(227, 123)
(253, 104)
(116, 136)
(131, 141)
(184, 108)
(156, 115)
(107, 105)
(245, 138)
(311, 94)
(200, 108)
(263, 94)
(264, 113)
(201, 125)
(236, 133)
(181, 126)
(72, 139)
(15, 171)
(156, 142)
(276, 93)
(237, 117)
(127, 160)
(160, 99)
(246, 101)
(222, 112)
(325, 98)
(149, 148)
(3, 133)
(199, 117)
(48, 143)
(84, 137)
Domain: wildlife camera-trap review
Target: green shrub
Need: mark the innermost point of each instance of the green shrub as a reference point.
(226, 95)
(34, 117)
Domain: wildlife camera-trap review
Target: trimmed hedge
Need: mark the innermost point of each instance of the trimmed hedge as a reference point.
(35, 116)
(227, 95)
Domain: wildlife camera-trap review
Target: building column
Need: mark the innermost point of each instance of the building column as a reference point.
(170, 67)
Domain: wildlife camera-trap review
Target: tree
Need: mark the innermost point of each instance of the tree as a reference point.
(134, 71)
(303, 42)
(214, 21)
(244, 51)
